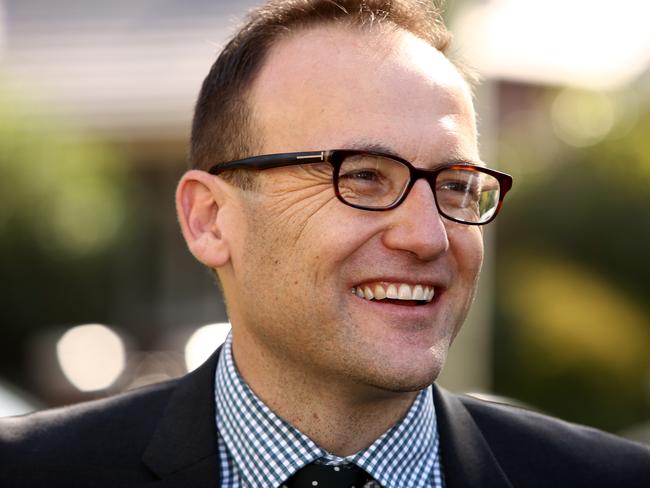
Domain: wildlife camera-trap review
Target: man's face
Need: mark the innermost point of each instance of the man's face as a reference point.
(302, 251)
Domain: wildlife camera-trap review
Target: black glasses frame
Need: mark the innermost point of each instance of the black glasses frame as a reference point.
(336, 157)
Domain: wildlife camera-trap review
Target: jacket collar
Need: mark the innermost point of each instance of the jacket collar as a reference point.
(467, 460)
(183, 449)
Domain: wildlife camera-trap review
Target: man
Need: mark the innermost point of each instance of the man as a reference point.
(338, 192)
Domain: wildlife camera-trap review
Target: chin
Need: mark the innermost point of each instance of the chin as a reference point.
(401, 378)
(405, 386)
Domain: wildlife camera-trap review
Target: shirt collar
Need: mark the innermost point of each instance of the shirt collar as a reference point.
(267, 450)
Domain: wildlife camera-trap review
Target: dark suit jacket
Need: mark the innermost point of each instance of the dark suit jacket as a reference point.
(164, 436)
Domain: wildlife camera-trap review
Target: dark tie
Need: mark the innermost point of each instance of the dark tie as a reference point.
(322, 476)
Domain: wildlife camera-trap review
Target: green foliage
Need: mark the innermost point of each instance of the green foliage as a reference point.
(64, 212)
(573, 326)
(62, 190)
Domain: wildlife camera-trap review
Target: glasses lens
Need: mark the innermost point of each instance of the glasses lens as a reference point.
(370, 181)
(468, 195)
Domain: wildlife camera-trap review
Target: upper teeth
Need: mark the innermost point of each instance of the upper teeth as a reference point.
(397, 291)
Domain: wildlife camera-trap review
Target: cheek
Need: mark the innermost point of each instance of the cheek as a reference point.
(288, 250)
(466, 244)
(326, 239)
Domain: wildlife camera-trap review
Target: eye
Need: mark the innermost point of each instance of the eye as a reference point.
(372, 181)
(460, 186)
(467, 186)
(362, 174)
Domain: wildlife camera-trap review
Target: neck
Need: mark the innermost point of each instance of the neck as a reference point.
(340, 416)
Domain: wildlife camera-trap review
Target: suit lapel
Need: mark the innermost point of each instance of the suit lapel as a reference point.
(467, 459)
(183, 449)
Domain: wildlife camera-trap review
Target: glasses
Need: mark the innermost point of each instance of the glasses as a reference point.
(375, 181)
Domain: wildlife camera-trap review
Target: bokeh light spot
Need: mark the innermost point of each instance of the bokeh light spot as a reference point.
(91, 356)
(203, 343)
(582, 118)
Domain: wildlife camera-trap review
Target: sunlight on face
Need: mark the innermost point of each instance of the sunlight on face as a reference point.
(290, 295)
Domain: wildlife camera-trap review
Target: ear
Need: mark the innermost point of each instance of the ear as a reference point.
(201, 199)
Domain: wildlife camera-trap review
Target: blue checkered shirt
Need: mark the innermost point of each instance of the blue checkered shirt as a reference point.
(259, 449)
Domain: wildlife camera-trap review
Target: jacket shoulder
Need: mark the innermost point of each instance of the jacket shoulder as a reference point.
(92, 434)
(542, 447)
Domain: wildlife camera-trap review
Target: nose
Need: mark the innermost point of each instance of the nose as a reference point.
(417, 226)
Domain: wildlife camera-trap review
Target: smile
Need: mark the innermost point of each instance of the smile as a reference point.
(395, 291)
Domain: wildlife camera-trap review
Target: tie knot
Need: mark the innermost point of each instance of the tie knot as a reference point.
(323, 476)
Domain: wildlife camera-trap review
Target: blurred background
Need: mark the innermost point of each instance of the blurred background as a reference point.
(98, 293)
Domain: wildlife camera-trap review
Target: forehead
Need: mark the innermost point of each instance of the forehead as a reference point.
(334, 86)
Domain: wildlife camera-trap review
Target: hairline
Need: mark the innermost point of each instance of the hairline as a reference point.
(247, 94)
(239, 120)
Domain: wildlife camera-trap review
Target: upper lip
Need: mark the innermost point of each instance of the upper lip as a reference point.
(411, 280)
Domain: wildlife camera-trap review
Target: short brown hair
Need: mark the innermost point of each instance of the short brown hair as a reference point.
(222, 129)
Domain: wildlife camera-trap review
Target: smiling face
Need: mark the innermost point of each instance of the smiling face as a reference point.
(305, 278)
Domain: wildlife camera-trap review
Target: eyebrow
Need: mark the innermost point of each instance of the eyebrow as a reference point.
(383, 148)
(374, 146)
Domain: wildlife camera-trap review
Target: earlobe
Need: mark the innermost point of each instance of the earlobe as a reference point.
(200, 201)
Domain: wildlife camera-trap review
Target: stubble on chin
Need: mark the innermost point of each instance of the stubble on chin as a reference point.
(389, 377)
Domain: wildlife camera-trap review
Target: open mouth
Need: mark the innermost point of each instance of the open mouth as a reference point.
(396, 293)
